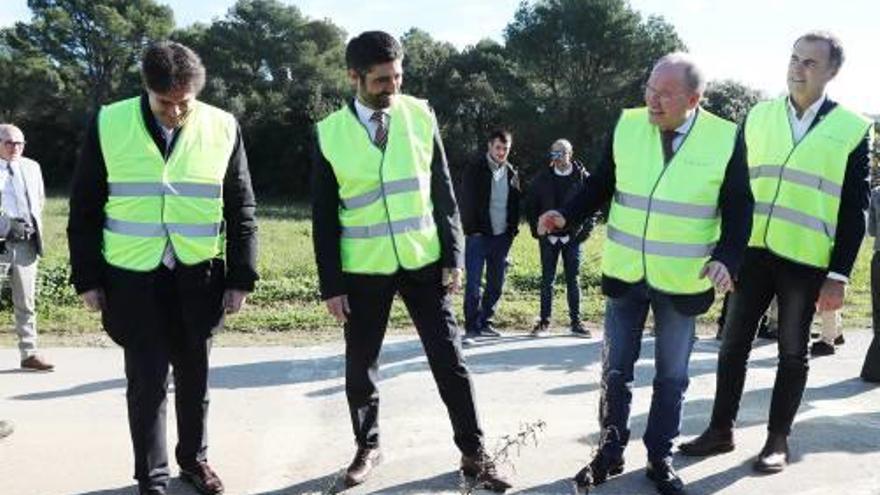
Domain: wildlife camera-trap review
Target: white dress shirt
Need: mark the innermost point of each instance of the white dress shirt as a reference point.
(682, 131)
(8, 186)
(800, 126)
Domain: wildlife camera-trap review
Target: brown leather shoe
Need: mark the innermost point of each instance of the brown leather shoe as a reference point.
(481, 468)
(203, 478)
(37, 363)
(710, 442)
(364, 461)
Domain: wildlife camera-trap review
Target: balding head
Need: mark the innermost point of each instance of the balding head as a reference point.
(674, 90)
(11, 142)
(560, 154)
(686, 67)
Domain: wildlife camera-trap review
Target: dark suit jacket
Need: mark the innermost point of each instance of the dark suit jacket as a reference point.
(541, 197)
(735, 202)
(325, 216)
(475, 192)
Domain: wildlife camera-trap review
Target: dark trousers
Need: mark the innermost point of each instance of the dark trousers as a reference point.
(571, 263)
(429, 305)
(489, 251)
(165, 319)
(796, 287)
(871, 368)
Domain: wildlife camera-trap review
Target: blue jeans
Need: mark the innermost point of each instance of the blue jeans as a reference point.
(674, 338)
(489, 251)
(571, 263)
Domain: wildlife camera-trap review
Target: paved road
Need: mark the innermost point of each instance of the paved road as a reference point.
(279, 423)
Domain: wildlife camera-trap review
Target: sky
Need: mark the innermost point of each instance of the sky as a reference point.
(745, 40)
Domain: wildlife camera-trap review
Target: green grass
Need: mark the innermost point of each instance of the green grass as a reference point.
(286, 304)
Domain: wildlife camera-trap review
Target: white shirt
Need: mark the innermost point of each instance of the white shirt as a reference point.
(365, 114)
(800, 126)
(564, 173)
(682, 131)
(8, 201)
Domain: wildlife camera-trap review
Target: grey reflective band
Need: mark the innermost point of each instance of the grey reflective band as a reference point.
(674, 208)
(188, 189)
(660, 248)
(385, 229)
(141, 229)
(797, 217)
(799, 177)
(390, 187)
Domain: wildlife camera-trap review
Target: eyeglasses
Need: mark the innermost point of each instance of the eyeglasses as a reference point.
(14, 144)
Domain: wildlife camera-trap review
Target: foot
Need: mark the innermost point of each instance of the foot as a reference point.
(578, 330)
(203, 478)
(597, 471)
(774, 456)
(482, 470)
(469, 338)
(664, 477)
(541, 329)
(839, 340)
(36, 363)
(710, 442)
(6, 429)
(821, 348)
(364, 461)
(489, 331)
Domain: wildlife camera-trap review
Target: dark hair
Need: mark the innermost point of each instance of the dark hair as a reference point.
(371, 48)
(835, 47)
(502, 135)
(168, 66)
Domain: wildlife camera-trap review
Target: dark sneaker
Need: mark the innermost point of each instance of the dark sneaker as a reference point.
(665, 478)
(541, 329)
(469, 338)
(489, 331)
(482, 471)
(202, 478)
(839, 340)
(597, 471)
(363, 463)
(578, 330)
(821, 348)
(774, 456)
(710, 442)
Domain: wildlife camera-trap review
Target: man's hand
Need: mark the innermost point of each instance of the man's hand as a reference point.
(338, 307)
(233, 300)
(550, 222)
(451, 278)
(19, 230)
(717, 273)
(831, 295)
(94, 300)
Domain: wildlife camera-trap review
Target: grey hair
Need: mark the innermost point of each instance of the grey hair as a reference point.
(835, 47)
(693, 75)
(7, 129)
(565, 144)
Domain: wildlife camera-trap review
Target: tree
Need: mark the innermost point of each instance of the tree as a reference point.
(731, 99)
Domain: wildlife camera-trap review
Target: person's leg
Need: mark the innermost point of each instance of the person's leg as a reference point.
(496, 270)
(23, 282)
(754, 290)
(624, 323)
(430, 307)
(549, 260)
(674, 340)
(871, 367)
(474, 261)
(832, 322)
(571, 262)
(798, 289)
(369, 298)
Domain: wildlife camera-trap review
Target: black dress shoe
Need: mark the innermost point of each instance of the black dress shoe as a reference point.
(821, 348)
(365, 459)
(839, 340)
(203, 478)
(774, 456)
(597, 471)
(665, 478)
(480, 468)
(710, 442)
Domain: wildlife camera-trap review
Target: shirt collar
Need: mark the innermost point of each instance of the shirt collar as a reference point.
(365, 113)
(685, 127)
(810, 112)
(566, 173)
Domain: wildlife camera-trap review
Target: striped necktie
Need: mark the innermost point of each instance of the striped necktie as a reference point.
(381, 136)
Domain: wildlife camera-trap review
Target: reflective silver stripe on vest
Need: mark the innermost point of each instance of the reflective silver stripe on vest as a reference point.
(188, 189)
(797, 177)
(382, 229)
(797, 217)
(660, 248)
(391, 187)
(674, 208)
(141, 229)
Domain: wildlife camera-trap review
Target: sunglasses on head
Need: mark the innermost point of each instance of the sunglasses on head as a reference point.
(556, 155)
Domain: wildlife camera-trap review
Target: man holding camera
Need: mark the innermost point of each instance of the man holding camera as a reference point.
(21, 207)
